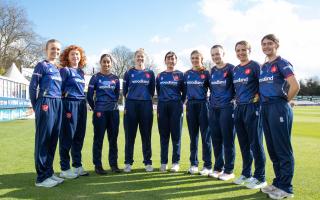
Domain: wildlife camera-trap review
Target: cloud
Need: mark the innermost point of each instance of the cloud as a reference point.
(235, 20)
(187, 27)
(157, 39)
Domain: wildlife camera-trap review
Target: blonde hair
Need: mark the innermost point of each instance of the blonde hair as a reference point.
(140, 50)
(244, 43)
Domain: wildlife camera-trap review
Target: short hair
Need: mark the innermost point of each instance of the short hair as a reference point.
(64, 61)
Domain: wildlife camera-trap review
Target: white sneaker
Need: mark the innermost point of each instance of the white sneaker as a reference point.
(193, 170)
(149, 168)
(175, 167)
(280, 194)
(226, 177)
(215, 174)
(55, 178)
(256, 184)
(127, 168)
(205, 171)
(48, 183)
(243, 180)
(268, 189)
(80, 171)
(163, 168)
(68, 174)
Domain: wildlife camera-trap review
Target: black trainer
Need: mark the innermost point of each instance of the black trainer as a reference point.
(99, 170)
(115, 169)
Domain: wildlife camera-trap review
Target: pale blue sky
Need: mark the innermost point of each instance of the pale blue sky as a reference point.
(181, 26)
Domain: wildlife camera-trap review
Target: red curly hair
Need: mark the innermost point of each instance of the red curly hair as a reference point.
(64, 61)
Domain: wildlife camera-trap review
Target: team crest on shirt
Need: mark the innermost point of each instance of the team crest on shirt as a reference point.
(147, 75)
(132, 75)
(247, 71)
(45, 107)
(98, 114)
(225, 74)
(161, 78)
(202, 76)
(176, 77)
(113, 81)
(68, 115)
(273, 69)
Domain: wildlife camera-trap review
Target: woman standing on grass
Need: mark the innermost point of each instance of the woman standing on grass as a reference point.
(197, 83)
(221, 115)
(138, 90)
(74, 118)
(277, 87)
(246, 118)
(170, 90)
(103, 95)
(45, 96)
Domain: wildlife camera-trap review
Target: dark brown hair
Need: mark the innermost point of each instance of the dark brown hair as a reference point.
(170, 54)
(271, 37)
(106, 55)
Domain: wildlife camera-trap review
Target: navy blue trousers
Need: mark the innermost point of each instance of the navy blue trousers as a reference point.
(250, 136)
(222, 136)
(74, 121)
(48, 114)
(140, 113)
(170, 118)
(197, 117)
(277, 123)
(102, 121)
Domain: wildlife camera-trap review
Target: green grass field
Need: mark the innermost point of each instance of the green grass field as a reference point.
(17, 173)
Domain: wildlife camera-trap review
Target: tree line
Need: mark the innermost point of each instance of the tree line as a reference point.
(18, 42)
(310, 87)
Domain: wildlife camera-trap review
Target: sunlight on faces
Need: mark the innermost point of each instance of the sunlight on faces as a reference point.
(269, 47)
(196, 60)
(170, 61)
(53, 50)
(139, 58)
(74, 58)
(242, 53)
(106, 64)
(217, 55)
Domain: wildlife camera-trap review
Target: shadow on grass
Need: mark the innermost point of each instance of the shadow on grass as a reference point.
(137, 185)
